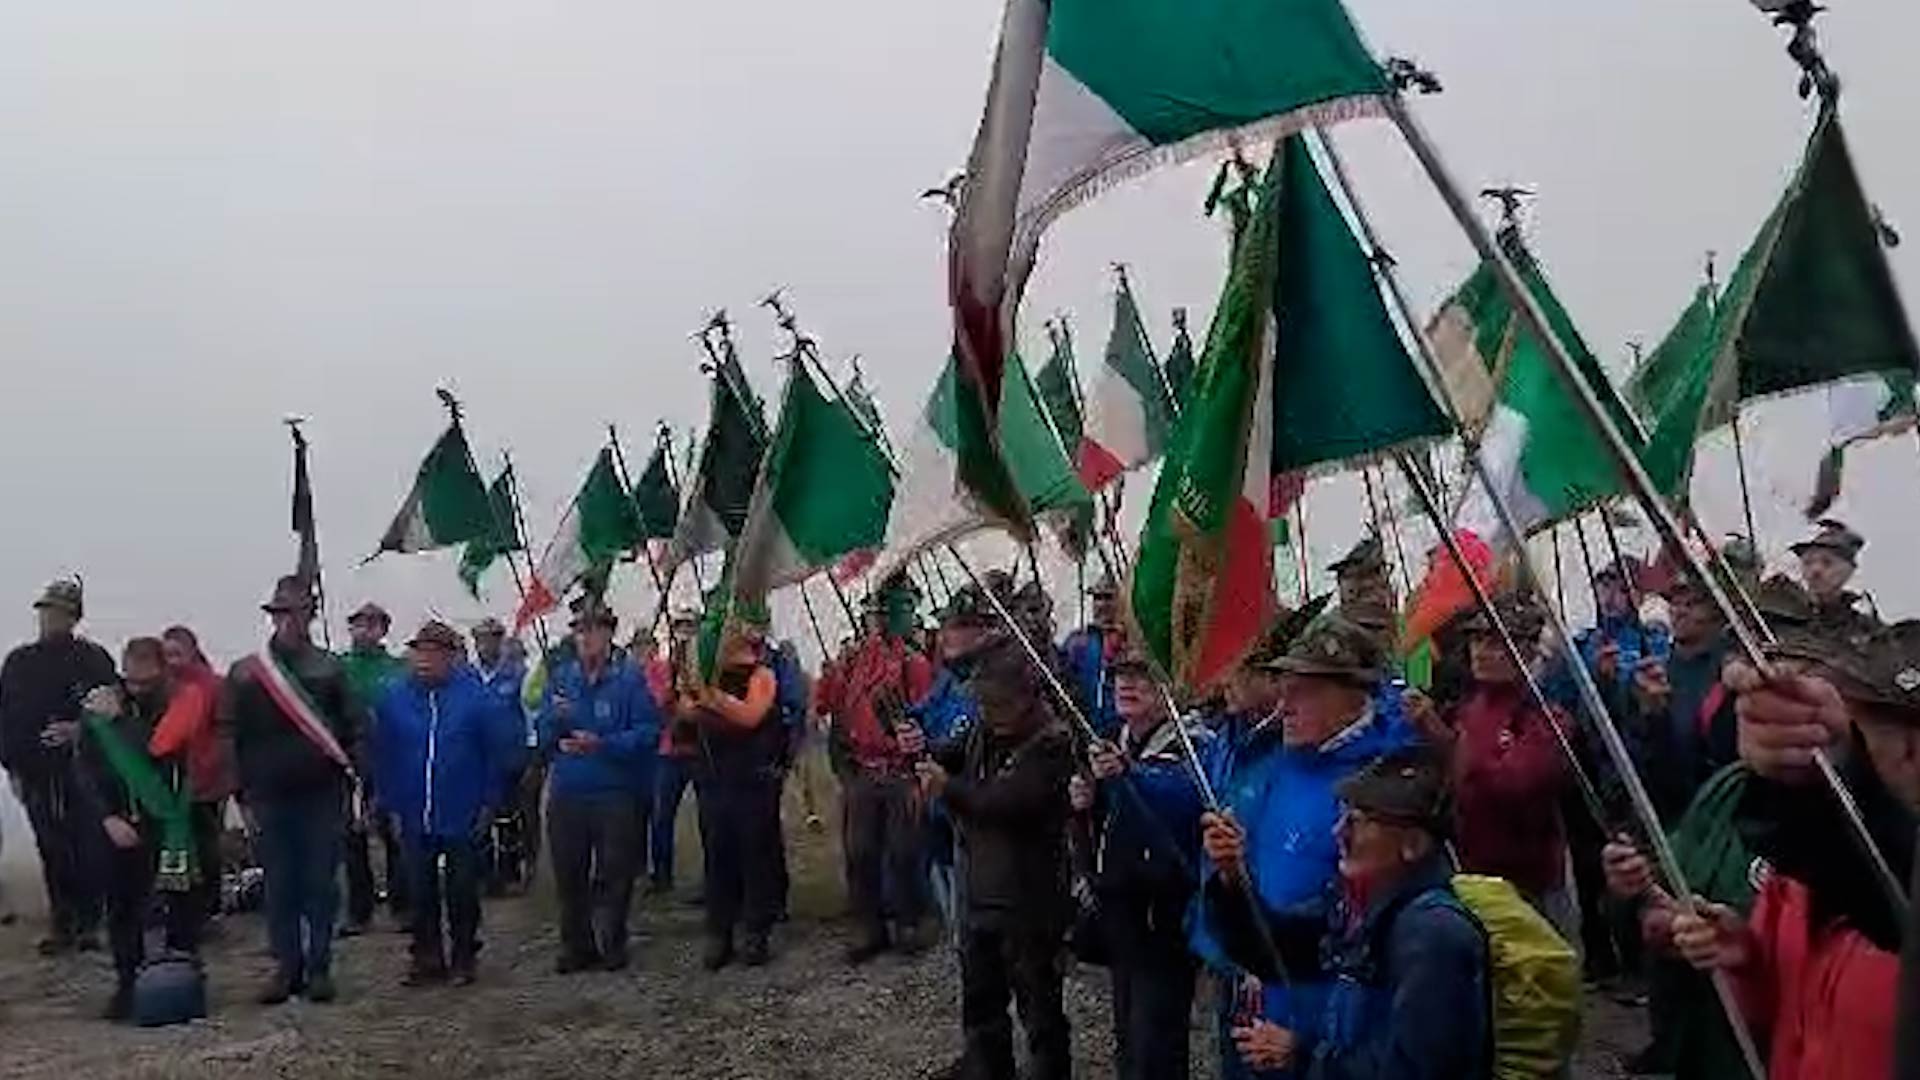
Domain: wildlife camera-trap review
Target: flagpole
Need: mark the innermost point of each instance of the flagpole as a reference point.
(1153, 359)
(1105, 509)
(1619, 559)
(673, 479)
(526, 546)
(1559, 573)
(1740, 464)
(626, 484)
(1393, 530)
(308, 561)
(1589, 793)
(1592, 701)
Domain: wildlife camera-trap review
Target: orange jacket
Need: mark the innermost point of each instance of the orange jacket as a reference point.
(188, 726)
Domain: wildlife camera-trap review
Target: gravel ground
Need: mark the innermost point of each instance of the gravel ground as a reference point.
(806, 1016)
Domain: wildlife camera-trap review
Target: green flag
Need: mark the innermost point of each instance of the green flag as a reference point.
(729, 463)
(1673, 389)
(655, 498)
(1821, 303)
(823, 493)
(448, 503)
(1180, 359)
(1034, 454)
(1055, 384)
(502, 537)
(1343, 385)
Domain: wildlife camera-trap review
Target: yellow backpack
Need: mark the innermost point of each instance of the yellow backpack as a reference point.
(1534, 976)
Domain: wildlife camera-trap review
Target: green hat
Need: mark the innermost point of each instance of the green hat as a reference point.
(1783, 602)
(1833, 536)
(1368, 556)
(1404, 787)
(1334, 648)
(436, 634)
(63, 594)
(1884, 671)
(1280, 637)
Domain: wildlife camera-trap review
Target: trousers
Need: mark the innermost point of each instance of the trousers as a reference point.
(130, 875)
(453, 894)
(70, 851)
(885, 852)
(1153, 980)
(670, 779)
(1020, 966)
(594, 843)
(740, 830)
(300, 842)
(363, 888)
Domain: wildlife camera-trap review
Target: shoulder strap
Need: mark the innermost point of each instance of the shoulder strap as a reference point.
(298, 708)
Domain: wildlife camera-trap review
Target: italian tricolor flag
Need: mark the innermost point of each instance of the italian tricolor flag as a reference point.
(600, 525)
(1085, 93)
(1130, 412)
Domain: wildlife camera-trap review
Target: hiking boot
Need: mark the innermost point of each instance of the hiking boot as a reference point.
(120, 1006)
(617, 960)
(719, 952)
(571, 963)
(281, 986)
(464, 973)
(320, 989)
(425, 973)
(867, 948)
(756, 952)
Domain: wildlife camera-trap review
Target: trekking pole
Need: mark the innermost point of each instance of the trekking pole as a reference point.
(1589, 691)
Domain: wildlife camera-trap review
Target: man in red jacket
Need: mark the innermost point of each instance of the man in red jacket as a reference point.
(1816, 963)
(867, 696)
(1508, 770)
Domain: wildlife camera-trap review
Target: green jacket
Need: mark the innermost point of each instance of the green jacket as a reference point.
(1719, 865)
(370, 672)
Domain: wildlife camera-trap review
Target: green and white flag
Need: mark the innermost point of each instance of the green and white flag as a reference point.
(823, 493)
(655, 498)
(1544, 455)
(1056, 384)
(1085, 93)
(599, 527)
(503, 537)
(1130, 412)
(448, 503)
(927, 511)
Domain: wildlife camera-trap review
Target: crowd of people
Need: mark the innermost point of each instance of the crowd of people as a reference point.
(1352, 873)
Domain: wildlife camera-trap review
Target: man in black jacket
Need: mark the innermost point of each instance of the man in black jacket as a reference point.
(1006, 790)
(41, 685)
(296, 726)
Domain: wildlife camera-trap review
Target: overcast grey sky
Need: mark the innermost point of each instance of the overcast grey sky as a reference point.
(216, 213)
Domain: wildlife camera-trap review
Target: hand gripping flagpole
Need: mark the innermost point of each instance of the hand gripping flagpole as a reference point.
(1641, 486)
(1589, 691)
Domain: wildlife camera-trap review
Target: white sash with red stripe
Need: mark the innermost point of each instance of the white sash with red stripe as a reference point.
(298, 708)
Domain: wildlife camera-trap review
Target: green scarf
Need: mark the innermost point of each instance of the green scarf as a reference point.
(156, 799)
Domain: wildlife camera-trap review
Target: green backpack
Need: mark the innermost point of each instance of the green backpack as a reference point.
(1534, 977)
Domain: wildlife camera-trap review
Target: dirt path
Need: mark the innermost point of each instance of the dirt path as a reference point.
(807, 1016)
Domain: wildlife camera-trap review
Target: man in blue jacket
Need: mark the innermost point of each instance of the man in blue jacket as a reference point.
(1278, 782)
(944, 717)
(1147, 810)
(445, 748)
(1089, 652)
(600, 726)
